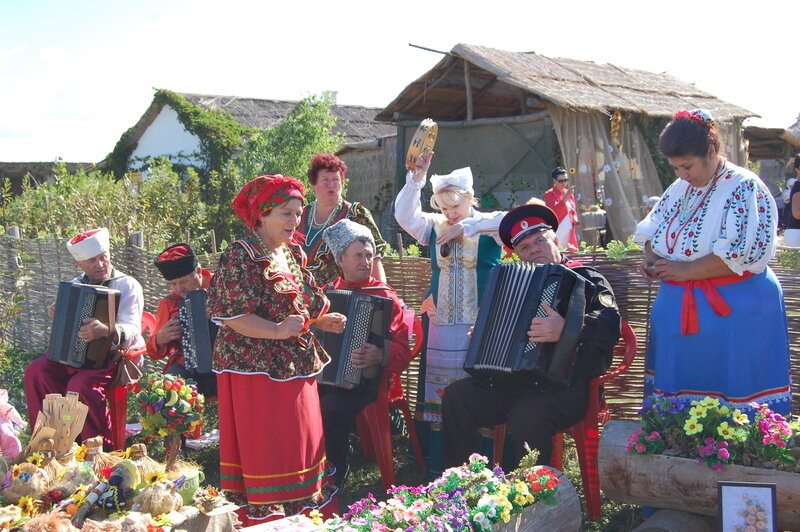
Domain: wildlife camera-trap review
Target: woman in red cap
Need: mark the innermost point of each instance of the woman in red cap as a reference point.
(272, 451)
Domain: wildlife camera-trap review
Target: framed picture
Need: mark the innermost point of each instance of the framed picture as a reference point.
(747, 507)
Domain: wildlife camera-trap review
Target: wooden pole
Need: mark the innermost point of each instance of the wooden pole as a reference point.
(213, 242)
(468, 88)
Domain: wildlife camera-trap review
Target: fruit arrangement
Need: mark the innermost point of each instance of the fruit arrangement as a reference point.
(170, 405)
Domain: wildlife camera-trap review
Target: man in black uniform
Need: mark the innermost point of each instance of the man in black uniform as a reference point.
(534, 415)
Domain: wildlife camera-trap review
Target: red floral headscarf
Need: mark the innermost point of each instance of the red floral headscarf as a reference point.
(262, 194)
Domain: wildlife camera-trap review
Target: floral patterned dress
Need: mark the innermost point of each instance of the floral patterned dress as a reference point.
(272, 450)
(725, 336)
(321, 262)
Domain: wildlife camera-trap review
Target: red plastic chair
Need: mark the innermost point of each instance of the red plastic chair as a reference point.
(585, 433)
(118, 396)
(373, 420)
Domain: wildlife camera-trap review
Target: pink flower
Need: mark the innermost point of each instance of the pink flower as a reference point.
(717, 467)
(640, 448)
(723, 454)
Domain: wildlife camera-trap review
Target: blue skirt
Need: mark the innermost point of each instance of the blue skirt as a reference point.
(739, 358)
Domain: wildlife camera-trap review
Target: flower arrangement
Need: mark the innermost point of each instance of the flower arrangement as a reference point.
(470, 497)
(714, 434)
(170, 406)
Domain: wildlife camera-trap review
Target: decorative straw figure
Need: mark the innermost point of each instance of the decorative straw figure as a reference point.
(51, 466)
(96, 455)
(158, 498)
(147, 466)
(27, 480)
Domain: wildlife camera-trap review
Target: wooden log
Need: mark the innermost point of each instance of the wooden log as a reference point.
(675, 521)
(680, 483)
(565, 517)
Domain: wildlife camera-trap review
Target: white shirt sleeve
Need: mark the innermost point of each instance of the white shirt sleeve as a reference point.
(408, 211)
(129, 315)
(483, 223)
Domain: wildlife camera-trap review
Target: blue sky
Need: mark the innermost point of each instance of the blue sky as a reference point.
(76, 74)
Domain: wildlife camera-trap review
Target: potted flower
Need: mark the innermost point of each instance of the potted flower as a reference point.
(679, 451)
(470, 497)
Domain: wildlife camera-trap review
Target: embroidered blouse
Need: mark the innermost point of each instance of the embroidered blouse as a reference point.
(458, 276)
(733, 217)
(245, 284)
(320, 258)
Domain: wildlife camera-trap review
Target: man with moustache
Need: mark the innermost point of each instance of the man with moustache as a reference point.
(353, 248)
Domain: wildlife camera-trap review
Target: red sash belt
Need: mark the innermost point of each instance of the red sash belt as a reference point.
(690, 322)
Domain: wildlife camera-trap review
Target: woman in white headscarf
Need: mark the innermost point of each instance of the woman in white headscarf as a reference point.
(464, 246)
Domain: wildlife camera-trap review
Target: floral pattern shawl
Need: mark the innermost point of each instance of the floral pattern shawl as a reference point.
(245, 284)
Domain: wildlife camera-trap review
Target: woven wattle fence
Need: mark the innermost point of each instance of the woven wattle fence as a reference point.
(47, 262)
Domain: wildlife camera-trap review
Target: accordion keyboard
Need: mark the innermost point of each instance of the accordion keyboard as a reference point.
(87, 312)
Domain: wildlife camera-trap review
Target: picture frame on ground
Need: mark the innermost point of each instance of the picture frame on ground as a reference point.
(747, 507)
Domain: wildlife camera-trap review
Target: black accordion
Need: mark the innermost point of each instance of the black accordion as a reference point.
(500, 351)
(368, 319)
(199, 332)
(76, 302)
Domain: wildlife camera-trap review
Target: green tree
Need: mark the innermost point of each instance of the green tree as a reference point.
(288, 147)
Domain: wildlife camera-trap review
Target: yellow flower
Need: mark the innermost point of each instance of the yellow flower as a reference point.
(36, 459)
(726, 431)
(724, 410)
(316, 517)
(698, 411)
(710, 402)
(15, 471)
(80, 494)
(530, 498)
(740, 418)
(505, 516)
(692, 426)
(504, 489)
(520, 499)
(161, 520)
(156, 477)
(26, 506)
(80, 453)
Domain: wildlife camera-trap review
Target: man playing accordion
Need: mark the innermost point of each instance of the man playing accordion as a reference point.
(179, 267)
(353, 248)
(91, 251)
(535, 415)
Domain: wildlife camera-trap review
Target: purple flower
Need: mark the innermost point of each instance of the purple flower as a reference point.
(723, 454)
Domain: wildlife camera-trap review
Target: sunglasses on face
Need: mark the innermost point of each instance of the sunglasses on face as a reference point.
(562, 180)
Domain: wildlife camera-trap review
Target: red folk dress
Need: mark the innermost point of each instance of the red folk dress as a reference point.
(272, 450)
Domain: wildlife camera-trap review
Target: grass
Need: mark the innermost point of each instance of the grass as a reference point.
(364, 479)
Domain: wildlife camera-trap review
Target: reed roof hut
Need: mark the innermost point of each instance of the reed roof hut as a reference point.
(512, 116)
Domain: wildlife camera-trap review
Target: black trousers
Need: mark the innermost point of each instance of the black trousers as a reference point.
(534, 416)
(339, 410)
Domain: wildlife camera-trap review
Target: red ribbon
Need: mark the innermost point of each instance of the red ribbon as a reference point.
(690, 321)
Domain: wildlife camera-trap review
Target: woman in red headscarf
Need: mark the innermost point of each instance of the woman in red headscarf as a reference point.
(272, 451)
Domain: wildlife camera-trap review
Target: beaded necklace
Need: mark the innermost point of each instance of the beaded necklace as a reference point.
(315, 230)
(685, 206)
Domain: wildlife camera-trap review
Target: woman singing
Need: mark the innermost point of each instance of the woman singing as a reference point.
(272, 452)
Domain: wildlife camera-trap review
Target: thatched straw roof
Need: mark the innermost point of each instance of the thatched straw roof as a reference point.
(39, 171)
(355, 122)
(518, 83)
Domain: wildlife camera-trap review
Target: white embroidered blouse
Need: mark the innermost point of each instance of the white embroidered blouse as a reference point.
(733, 217)
(457, 290)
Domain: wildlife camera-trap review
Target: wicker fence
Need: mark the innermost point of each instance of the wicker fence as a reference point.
(47, 262)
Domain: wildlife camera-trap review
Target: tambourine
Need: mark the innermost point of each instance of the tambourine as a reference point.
(422, 142)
